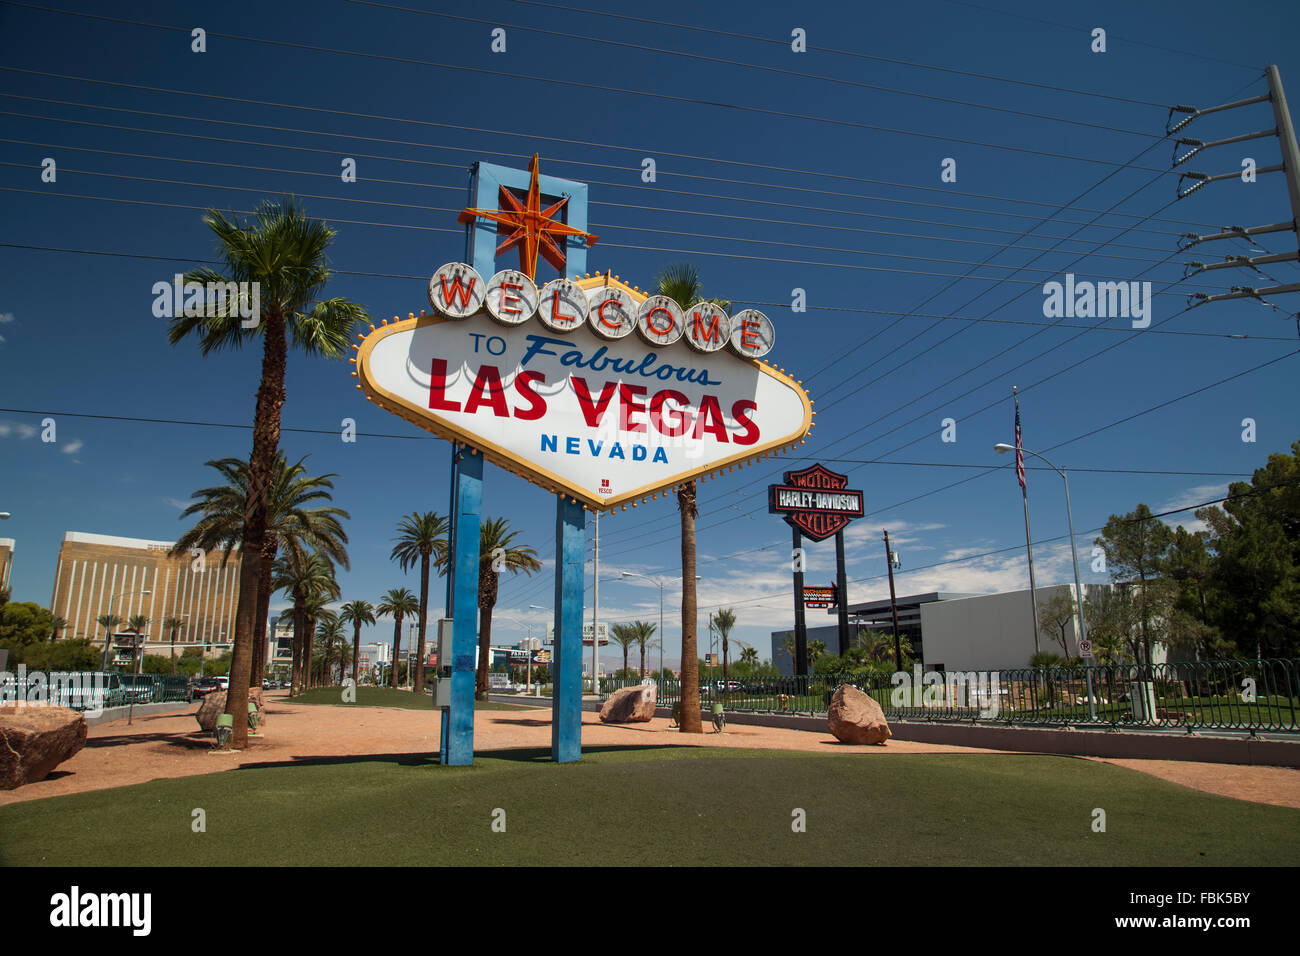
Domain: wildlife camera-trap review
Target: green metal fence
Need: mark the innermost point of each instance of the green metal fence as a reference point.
(1255, 696)
(87, 690)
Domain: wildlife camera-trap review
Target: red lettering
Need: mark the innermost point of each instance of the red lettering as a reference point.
(438, 399)
(738, 412)
(536, 404)
(556, 314)
(664, 420)
(650, 320)
(457, 291)
(710, 420)
(593, 412)
(600, 314)
(488, 390)
(630, 406)
(700, 334)
(511, 297)
(746, 335)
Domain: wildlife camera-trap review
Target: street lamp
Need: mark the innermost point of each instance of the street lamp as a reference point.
(108, 637)
(1002, 448)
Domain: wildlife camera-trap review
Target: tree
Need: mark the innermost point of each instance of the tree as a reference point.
(397, 604)
(497, 553)
(724, 620)
(108, 622)
(24, 623)
(305, 576)
(329, 630)
(644, 632)
(137, 624)
(294, 522)
(749, 656)
(681, 283)
(1135, 546)
(173, 624)
(357, 613)
(1056, 617)
(421, 536)
(283, 253)
(57, 624)
(624, 636)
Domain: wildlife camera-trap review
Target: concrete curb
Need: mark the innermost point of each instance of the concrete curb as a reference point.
(141, 710)
(1067, 741)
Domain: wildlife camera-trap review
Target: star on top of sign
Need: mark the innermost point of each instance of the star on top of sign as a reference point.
(532, 228)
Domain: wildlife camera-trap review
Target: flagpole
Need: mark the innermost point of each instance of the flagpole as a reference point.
(1029, 544)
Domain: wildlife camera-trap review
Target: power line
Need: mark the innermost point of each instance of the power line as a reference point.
(849, 53)
(668, 51)
(652, 94)
(642, 150)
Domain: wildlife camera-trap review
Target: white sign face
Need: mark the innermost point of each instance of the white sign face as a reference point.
(586, 632)
(706, 327)
(1085, 648)
(611, 312)
(604, 421)
(456, 290)
(752, 334)
(659, 320)
(562, 306)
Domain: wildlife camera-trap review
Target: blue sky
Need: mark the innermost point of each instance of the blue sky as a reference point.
(803, 188)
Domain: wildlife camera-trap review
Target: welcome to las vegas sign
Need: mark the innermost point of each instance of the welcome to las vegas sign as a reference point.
(587, 387)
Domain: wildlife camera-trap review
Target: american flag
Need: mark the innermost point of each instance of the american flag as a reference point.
(1020, 454)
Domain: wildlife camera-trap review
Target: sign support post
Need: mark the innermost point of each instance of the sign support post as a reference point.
(841, 584)
(800, 627)
(457, 744)
(566, 695)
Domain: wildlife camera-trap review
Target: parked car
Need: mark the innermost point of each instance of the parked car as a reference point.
(202, 688)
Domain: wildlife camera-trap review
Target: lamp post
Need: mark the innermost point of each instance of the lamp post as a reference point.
(1069, 518)
(108, 637)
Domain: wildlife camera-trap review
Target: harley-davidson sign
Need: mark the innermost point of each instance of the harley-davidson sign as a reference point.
(551, 383)
(816, 501)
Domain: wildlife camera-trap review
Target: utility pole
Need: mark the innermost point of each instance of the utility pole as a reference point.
(1284, 130)
(800, 626)
(842, 589)
(893, 605)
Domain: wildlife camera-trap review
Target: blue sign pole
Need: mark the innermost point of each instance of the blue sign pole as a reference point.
(566, 698)
(457, 744)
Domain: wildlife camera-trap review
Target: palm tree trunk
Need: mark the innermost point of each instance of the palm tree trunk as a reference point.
(484, 652)
(263, 611)
(356, 650)
(173, 652)
(724, 660)
(308, 643)
(424, 620)
(643, 662)
(261, 464)
(689, 722)
(397, 645)
(299, 641)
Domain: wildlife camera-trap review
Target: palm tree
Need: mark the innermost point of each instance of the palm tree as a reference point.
(137, 625)
(724, 620)
(644, 631)
(397, 604)
(625, 636)
(681, 283)
(356, 613)
(330, 629)
(57, 624)
(108, 622)
(282, 253)
(292, 524)
(173, 624)
(305, 576)
(421, 535)
(496, 554)
(749, 656)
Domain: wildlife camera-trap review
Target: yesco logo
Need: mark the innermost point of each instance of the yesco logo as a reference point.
(1085, 300)
(77, 909)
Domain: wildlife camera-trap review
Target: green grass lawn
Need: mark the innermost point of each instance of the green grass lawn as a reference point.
(656, 806)
(384, 697)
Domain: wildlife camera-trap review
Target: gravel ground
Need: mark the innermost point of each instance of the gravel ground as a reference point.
(171, 745)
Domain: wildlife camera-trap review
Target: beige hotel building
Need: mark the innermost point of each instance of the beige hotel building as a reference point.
(96, 570)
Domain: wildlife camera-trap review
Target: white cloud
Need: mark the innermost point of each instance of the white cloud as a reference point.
(1192, 496)
(6, 318)
(21, 429)
(72, 447)
(177, 503)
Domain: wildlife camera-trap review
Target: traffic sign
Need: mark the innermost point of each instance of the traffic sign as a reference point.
(1085, 648)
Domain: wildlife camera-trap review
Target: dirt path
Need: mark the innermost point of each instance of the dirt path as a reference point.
(171, 745)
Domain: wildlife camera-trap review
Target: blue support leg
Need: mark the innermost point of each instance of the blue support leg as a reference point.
(462, 606)
(566, 699)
